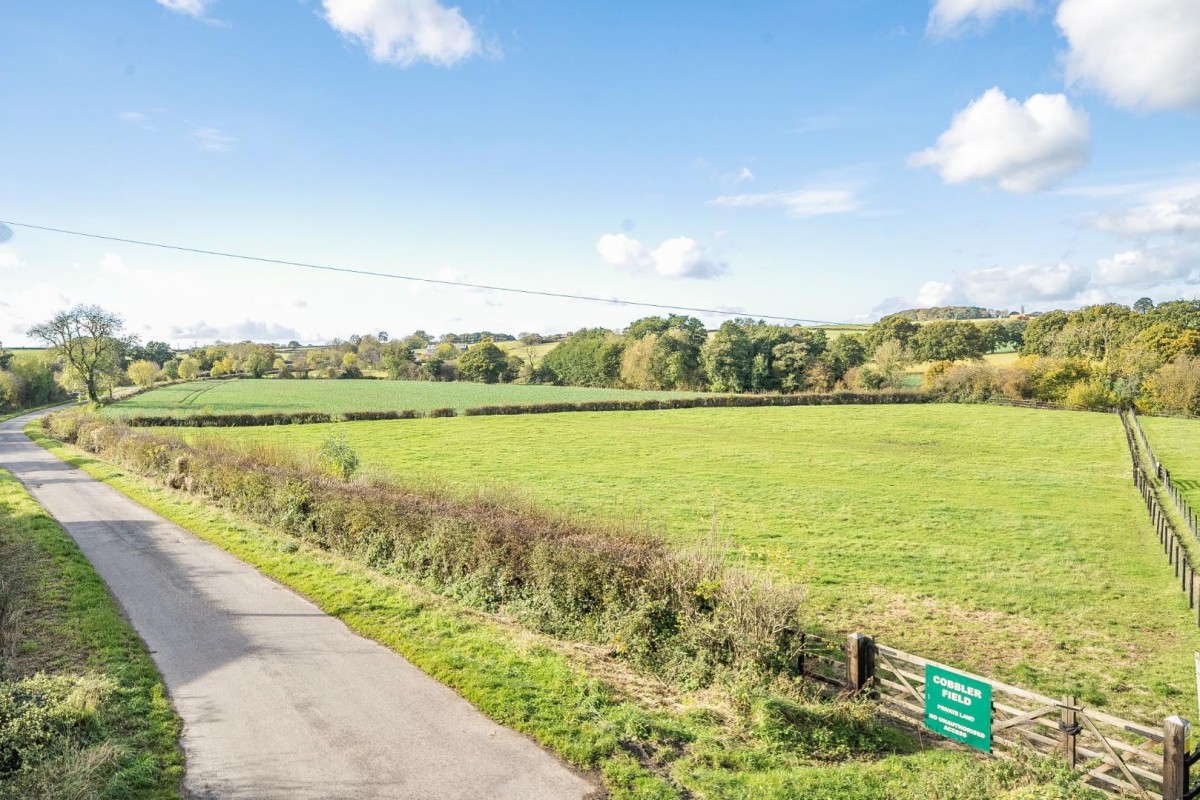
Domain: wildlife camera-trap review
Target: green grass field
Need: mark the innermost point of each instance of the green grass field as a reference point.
(1009, 541)
(340, 396)
(1177, 444)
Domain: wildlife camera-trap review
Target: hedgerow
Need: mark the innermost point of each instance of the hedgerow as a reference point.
(688, 617)
(704, 401)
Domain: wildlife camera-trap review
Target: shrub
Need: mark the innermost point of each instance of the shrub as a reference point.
(1092, 395)
(338, 456)
(43, 716)
(967, 383)
(1175, 387)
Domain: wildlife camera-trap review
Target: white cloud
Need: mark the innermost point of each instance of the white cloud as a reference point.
(9, 260)
(744, 174)
(623, 251)
(681, 257)
(405, 31)
(952, 17)
(111, 264)
(1180, 215)
(936, 293)
(1024, 147)
(213, 140)
(1032, 283)
(234, 332)
(193, 8)
(136, 118)
(798, 202)
(1148, 267)
(1143, 54)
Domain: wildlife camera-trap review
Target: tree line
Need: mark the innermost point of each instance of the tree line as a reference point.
(1146, 355)
(1103, 355)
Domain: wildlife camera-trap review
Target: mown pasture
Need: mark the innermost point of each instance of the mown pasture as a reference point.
(339, 396)
(1177, 444)
(1007, 541)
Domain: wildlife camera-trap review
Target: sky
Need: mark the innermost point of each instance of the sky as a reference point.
(828, 160)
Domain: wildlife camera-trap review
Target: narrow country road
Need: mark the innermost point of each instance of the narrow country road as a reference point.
(278, 699)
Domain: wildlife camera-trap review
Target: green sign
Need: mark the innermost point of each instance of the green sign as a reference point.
(959, 707)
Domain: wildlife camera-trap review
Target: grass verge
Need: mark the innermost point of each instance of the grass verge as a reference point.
(104, 727)
(644, 739)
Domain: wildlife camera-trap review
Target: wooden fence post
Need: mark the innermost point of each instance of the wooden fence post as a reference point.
(1068, 729)
(1175, 769)
(860, 664)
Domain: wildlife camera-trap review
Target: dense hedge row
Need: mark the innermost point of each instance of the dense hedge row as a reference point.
(686, 616)
(230, 420)
(702, 401)
(708, 401)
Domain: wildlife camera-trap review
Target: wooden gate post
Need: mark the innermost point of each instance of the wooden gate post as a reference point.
(860, 664)
(1068, 729)
(1175, 767)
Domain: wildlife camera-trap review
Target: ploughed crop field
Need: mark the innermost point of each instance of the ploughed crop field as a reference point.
(244, 396)
(1006, 541)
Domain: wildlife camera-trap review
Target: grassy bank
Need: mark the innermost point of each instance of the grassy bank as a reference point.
(1007, 541)
(104, 727)
(646, 739)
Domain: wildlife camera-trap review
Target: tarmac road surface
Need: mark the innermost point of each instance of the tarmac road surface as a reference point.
(278, 699)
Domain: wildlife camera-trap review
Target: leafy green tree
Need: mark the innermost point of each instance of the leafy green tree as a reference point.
(727, 358)
(891, 360)
(1093, 332)
(1143, 305)
(89, 341)
(170, 368)
(143, 373)
(484, 363)
(792, 362)
(1041, 334)
(588, 357)
(845, 352)
(158, 352)
(5, 357)
(950, 340)
(396, 359)
(189, 368)
(432, 368)
(446, 351)
(891, 328)
(257, 363)
(1184, 313)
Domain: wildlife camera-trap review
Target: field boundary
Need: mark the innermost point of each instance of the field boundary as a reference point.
(1189, 516)
(900, 397)
(1170, 533)
(1114, 755)
(1117, 756)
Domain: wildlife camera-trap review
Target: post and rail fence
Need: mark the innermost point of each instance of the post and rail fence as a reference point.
(1190, 520)
(1147, 477)
(1116, 756)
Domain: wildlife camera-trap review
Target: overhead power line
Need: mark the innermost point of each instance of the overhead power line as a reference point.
(417, 279)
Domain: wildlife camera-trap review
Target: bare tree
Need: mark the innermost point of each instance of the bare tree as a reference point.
(88, 339)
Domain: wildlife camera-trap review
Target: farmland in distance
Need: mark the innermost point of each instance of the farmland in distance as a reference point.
(238, 396)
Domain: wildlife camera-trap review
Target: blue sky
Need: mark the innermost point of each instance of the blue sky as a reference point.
(826, 159)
